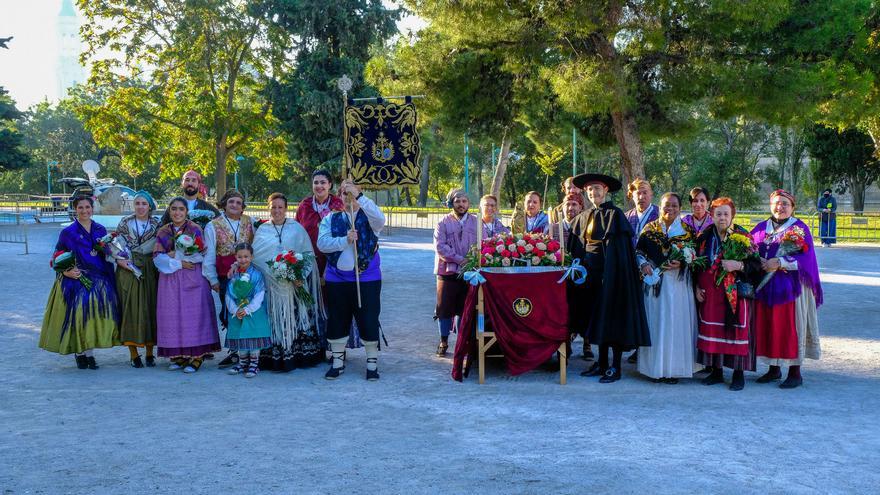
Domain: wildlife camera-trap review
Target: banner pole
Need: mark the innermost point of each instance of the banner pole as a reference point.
(344, 84)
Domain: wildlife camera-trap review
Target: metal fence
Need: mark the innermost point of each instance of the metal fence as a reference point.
(13, 229)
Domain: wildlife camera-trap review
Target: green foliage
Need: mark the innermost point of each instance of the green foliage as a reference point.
(12, 154)
(201, 101)
(330, 39)
(845, 160)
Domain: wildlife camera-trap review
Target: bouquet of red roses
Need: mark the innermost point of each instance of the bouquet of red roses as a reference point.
(793, 242)
(504, 250)
(293, 267)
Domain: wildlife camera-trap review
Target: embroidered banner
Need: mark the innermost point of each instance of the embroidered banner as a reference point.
(381, 144)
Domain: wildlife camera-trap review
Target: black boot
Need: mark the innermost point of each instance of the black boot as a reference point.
(443, 347)
(612, 374)
(717, 376)
(773, 374)
(137, 363)
(80, 361)
(90, 362)
(738, 382)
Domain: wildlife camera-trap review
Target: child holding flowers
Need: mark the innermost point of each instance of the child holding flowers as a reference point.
(248, 332)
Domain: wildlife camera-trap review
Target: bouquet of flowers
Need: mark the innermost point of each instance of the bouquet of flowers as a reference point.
(793, 242)
(119, 250)
(242, 288)
(102, 244)
(505, 250)
(201, 217)
(686, 253)
(737, 247)
(188, 248)
(65, 260)
(293, 267)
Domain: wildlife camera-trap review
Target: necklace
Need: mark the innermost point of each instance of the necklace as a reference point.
(233, 229)
(140, 231)
(279, 233)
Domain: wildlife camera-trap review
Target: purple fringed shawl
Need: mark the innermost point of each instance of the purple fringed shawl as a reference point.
(786, 286)
(76, 239)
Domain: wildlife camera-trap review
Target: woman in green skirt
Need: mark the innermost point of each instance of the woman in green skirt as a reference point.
(82, 312)
(137, 279)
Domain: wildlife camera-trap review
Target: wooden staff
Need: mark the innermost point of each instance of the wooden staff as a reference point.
(562, 240)
(357, 270)
(479, 237)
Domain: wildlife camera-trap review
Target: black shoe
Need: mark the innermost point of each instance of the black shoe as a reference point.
(208, 356)
(137, 363)
(707, 369)
(770, 376)
(80, 361)
(442, 348)
(231, 359)
(791, 382)
(738, 382)
(90, 361)
(151, 361)
(372, 375)
(611, 375)
(333, 373)
(716, 377)
(669, 381)
(633, 358)
(594, 370)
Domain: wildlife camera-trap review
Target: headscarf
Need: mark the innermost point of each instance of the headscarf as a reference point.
(784, 194)
(203, 189)
(579, 198)
(144, 194)
(455, 193)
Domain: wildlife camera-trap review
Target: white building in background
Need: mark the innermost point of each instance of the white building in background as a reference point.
(68, 71)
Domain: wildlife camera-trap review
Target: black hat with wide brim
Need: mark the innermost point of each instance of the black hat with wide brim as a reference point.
(582, 180)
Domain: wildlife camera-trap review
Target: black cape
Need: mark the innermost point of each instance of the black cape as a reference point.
(612, 298)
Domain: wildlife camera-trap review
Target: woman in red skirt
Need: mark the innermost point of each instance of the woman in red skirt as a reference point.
(786, 323)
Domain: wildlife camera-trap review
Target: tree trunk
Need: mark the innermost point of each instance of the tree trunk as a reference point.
(407, 198)
(424, 178)
(501, 168)
(220, 155)
(858, 196)
(632, 159)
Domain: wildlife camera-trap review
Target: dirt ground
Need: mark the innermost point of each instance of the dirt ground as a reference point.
(125, 430)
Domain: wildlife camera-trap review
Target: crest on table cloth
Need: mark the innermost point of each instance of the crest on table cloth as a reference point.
(381, 143)
(522, 307)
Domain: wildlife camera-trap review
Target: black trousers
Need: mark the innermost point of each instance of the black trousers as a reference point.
(342, 306)
(224, 311)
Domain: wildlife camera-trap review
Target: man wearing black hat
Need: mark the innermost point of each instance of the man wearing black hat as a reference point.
(612, 301)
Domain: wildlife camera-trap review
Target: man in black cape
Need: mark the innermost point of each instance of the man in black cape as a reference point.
(611, 300)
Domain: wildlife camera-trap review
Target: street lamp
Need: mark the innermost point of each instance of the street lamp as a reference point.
(240, 160)
(49, 165)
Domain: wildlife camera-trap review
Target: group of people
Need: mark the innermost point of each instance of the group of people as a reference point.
(149, 284)
(753, 300)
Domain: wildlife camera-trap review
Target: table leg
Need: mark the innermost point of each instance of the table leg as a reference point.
(563, 363)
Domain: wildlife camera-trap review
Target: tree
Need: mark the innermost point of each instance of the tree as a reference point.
(185, 84)
(789, 147)
(12, 153)
(636, 68)
(846, 161)
(330, 39)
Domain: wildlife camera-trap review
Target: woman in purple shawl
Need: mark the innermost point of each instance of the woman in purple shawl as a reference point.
(81, 314)
(185, 318)
(786, 323)
(699, 219)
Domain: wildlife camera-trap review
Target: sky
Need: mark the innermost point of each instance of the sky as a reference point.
(28, 69)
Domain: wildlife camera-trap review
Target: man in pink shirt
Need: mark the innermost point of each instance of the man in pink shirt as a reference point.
(453, 237)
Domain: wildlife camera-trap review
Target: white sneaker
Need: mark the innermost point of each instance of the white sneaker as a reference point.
(174, 366)
(234, 370)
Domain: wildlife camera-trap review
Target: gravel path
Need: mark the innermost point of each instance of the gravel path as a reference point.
(124, 430)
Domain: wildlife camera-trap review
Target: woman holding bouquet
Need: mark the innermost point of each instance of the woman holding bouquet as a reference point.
(137, 293)
(296, 342)
(665, 249)
(726, 338)
(186, 322)
(787, 325)
(81, 313)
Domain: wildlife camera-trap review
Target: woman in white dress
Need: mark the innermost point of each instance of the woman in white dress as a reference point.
(669, 303)
(296, 340)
